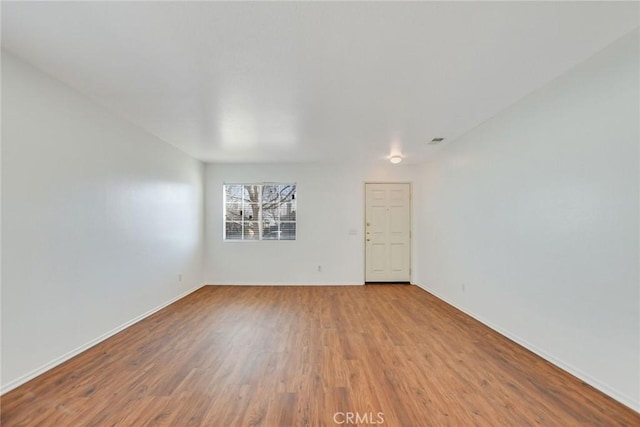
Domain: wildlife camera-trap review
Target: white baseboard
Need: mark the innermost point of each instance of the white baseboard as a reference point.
(606, 389)
(57, 361)
(287, 284)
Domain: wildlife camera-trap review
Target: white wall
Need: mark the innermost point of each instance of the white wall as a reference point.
(330, 203)
(98, 220)
(530, 222)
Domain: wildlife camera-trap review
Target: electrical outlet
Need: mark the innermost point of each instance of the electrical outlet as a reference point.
(179, 278)
(464, 288)
(319, 268)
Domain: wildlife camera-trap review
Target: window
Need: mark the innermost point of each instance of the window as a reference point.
(260, 211)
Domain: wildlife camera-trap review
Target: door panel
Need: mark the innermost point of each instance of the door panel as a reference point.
(378, 258)
(388, 232)
(397, 257)
(398, 220)
(378, 196)
(396, 195)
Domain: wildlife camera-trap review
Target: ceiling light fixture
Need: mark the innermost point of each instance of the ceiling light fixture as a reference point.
(395, 159)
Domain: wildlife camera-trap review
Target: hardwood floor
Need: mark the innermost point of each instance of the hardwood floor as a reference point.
(309, 356)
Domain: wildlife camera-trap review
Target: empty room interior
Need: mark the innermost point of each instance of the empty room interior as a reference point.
(320, 213)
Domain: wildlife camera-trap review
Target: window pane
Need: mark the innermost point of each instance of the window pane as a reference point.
(233, 202)
(287, 212)
(287, 231)
(287, 192)
(234, 193)
(270, 203)
(251, 202)
(233, 211)
(270, 194)
(288, 203)
(251, 231)
(233, 231)
(271, 234)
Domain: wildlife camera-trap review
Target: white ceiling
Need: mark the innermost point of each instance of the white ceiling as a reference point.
(264, 82)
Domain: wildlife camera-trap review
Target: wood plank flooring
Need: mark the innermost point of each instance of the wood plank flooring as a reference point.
(309, 356)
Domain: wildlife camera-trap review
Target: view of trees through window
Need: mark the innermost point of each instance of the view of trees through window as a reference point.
(260, 211)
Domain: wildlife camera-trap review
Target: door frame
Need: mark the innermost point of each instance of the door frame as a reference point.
(364, 224)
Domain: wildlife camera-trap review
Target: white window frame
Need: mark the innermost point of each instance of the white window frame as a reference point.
(260, 217)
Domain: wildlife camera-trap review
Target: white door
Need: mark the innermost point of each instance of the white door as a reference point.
(388, 232)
